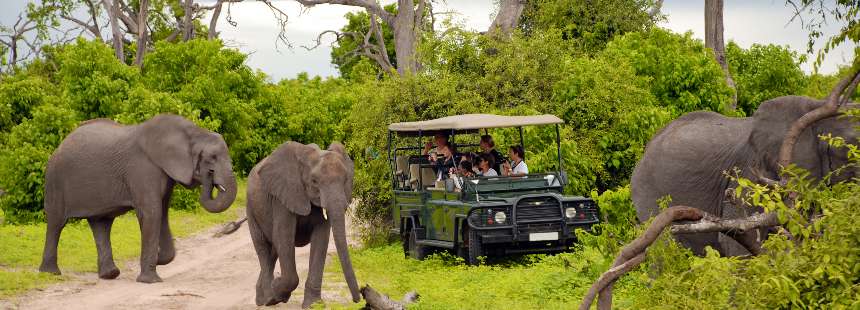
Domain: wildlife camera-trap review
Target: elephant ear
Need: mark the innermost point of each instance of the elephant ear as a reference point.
(166, 143)
(284, 174)
(350, 166)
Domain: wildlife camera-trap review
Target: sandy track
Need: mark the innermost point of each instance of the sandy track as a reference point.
(208, 273)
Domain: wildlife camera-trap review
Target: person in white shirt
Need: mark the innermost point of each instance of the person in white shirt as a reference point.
(485, 164)
(517, 167)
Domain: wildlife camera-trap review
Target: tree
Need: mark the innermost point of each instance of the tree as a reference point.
(589, 24)
(406, 24)
(714, 40)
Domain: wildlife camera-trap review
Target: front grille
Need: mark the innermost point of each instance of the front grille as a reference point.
(534, 228)
(538, 209)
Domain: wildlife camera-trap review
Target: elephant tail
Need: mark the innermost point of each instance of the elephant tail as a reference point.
(230, 228)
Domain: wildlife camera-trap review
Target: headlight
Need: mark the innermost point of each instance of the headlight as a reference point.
(570, 213)
(500, 217)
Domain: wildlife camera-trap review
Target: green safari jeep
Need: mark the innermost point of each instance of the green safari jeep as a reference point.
(483, 216)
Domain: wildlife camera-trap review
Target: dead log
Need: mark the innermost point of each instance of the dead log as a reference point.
(378, 301)
(230, 228)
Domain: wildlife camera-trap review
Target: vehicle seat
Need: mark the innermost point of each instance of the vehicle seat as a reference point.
(428, 177)
(402, 166)
(413, 175)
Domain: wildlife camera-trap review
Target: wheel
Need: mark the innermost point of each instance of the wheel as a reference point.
(411, 248)
(473, 248)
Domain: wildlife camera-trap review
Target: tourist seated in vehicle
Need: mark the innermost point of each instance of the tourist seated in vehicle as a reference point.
(485, 165)
(464, 170)
(517, 166)
(443, 160)
(488, 146)
(440, 139)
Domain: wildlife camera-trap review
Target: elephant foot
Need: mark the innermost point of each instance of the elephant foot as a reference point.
(149, 277)
(52, 269)
(310, 300)
(166, 258)
(271, 301)
(109, 273)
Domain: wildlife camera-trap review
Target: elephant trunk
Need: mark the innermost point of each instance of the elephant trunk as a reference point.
(338, 227)
(226, 187)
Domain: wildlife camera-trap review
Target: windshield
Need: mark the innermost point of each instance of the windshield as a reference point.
(488, 188)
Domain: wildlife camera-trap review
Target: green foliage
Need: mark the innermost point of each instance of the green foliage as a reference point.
(682, 72)
(24, 157)
(764, 72)
(589, 24)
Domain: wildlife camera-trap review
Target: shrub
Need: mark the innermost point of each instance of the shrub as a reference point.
(23, 159)
(763, 72)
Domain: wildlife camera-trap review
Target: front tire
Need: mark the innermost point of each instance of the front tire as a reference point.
(411, 248)
(473, 248)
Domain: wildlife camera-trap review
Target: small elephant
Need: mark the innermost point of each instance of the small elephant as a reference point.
(104, 169)
(687, 159)
(295, 196)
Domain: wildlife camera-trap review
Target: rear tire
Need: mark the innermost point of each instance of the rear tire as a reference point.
(473, 248)
(411, 247)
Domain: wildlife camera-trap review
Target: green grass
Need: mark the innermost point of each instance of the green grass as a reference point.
(21, 245)
(445, 282)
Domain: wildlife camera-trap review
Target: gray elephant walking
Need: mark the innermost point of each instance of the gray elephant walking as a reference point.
(104, 169)
(295, 196)
(686, 160)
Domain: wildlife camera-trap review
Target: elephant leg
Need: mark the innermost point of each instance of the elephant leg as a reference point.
(166, 249)
(284, 235)
(319, 248)
(101, 233)
(266, 255)
(52, 239)
(150, 229)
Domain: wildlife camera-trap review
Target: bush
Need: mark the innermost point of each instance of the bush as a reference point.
(763, 72)
(23, 158)
(682, 72)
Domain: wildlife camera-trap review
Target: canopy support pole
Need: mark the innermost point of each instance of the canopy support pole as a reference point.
(522, 142)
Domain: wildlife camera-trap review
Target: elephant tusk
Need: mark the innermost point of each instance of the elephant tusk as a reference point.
(221, 188)
(325, 216)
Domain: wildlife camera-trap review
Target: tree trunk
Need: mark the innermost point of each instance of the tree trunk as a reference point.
(187, 20)
(714, 40)
(216, 13)
(405, 38)
(142, 35)
(508, 18)
(113, 11)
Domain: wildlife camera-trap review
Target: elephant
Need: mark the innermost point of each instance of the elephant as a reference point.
(103, 169)
(688, 158)
(295, 196)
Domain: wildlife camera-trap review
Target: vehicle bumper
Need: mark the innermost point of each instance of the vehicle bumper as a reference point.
(515, 239)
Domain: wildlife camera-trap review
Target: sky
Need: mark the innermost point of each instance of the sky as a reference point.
(746, 22)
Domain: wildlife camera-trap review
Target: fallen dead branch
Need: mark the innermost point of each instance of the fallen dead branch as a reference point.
(378, 301)
(230, 228)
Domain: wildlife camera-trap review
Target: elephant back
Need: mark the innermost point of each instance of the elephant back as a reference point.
(685, 160)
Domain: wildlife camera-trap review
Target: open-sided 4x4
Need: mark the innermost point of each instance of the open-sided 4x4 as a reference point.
(488, 215)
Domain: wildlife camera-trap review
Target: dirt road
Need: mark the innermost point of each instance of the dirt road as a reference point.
(208, 273)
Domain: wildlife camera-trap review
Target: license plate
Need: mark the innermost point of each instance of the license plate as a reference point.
(543, 236)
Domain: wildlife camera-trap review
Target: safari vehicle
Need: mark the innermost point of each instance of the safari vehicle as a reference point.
(488, 216)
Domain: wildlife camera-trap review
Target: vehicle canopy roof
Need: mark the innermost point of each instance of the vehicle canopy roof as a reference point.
(472, 122)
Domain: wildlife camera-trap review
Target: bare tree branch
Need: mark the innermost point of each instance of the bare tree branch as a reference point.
(371, 6)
